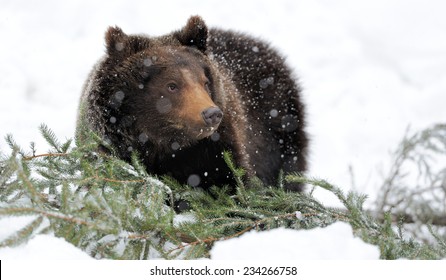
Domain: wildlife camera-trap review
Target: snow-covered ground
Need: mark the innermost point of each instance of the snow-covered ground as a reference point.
(369, 69)
(335, 242)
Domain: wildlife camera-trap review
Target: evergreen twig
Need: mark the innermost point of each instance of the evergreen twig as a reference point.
(114, 209)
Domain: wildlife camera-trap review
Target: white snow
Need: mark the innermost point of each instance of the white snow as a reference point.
(368, 69)
(44, 246)
(335, 242)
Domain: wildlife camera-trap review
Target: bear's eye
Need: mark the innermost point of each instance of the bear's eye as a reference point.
(172, 87)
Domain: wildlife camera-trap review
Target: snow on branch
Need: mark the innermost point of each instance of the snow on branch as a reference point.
(114, 209)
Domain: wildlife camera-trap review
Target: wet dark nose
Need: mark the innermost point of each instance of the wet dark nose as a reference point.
(212, 116)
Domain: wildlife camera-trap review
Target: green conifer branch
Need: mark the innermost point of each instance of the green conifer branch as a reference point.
(50, 138)
(114, 209)
(23, 234)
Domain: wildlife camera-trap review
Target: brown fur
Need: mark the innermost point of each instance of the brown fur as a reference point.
(194, 100)
(150, 95)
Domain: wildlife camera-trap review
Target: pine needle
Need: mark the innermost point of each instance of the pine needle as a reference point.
(116, 210)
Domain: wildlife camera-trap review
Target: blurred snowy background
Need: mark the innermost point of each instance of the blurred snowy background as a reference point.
(369, 69)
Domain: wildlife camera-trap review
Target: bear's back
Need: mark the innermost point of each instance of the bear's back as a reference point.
(254, 65)
(272, 102)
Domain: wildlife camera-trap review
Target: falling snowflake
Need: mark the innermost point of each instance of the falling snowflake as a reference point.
(119, 96)
(119, 46)
(147, 62)
(264, 83)
(299, 215)
(273, 113)
(163, 105)
(193, 180)
(143, 138)
(175, 146)
(290, 123)
(215, 136)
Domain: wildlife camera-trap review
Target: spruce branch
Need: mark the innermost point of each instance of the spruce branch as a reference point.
(115, 209)
(45, 155)
(238, 174)
(50, 138)
(25, 211)
(13, 145)
(415, 185)
(23, 234)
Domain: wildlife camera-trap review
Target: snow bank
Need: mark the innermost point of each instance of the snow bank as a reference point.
(335, 242)
(44, 247)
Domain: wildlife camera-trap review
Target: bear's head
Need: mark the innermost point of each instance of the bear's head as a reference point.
(160, 89)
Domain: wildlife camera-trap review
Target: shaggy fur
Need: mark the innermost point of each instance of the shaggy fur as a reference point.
(181, 99)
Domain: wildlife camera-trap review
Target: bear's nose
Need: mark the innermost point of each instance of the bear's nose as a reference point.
(212, 116)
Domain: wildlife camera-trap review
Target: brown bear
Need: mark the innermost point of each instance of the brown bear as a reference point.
(181, 99)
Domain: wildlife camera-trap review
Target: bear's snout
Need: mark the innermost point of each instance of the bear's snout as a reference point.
(212, 116)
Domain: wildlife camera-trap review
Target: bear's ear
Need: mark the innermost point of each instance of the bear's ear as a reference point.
(194, 34)
(115, 40)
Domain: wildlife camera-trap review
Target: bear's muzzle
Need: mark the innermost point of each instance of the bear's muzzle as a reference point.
(212, 116)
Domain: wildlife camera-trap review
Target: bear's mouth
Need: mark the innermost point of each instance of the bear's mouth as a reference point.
(206, 132)
(194, 132)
